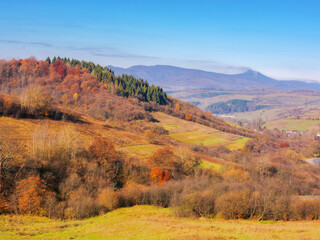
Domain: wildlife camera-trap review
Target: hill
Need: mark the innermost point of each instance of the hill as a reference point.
(176, 79)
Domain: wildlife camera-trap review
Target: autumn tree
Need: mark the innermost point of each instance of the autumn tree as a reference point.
(150, 136)
(60, 67)
(186, 162)
(159, 176)
(107, 159)
(5, 155)
(35, 100)
(4, 206)
(30, 195)
(177, 108)
(164, 158)
(188, 116)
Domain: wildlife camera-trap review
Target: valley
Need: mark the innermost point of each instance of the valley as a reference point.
(285, 110)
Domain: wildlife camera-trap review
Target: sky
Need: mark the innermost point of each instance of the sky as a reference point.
(279, 38)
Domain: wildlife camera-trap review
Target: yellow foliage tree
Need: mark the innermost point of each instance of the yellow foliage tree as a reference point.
(177, 108)
(75, 96)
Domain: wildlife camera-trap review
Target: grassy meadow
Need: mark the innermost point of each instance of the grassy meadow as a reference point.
(193, 133)
(293, 124)
(149, 222)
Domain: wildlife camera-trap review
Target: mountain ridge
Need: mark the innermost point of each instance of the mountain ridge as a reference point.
(175, 78)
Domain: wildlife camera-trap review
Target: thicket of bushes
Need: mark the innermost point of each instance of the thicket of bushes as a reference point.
(62, 179)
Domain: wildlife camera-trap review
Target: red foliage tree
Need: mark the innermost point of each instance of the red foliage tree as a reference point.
(60, 67)
(284, 145)
(42, 68)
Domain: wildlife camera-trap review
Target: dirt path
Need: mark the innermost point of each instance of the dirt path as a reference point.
(314, 161)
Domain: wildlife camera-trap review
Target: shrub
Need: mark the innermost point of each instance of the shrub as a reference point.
(235, 204)
(81, 205)
(130, 195)
(108, 199)
(281, 208)
(305, 209)
(199, 204)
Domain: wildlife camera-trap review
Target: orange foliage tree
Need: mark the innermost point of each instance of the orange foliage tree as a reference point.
(164, 162)
(102, 150)
(159, 176)
(164, 158)
(30, 195)
(4, 207)
(107, 159)
(188, 116)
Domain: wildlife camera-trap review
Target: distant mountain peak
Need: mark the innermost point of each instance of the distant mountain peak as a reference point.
(251, 73)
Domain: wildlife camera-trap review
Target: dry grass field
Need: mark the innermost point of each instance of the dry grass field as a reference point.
(148, 222)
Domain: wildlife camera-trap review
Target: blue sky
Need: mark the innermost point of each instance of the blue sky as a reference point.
(279, 38)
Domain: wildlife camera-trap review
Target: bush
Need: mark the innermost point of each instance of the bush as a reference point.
(305, 209)
(234, 205)
(130, 195)
(108, 199)
(81, 205)
(281, 208)
(198, 204)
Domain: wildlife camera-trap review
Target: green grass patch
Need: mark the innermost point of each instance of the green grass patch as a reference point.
(210, 165)
(170, 126)
(149, 222)
(237, 144)
(198, 138)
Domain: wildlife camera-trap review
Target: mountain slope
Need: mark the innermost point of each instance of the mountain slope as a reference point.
(176, 78)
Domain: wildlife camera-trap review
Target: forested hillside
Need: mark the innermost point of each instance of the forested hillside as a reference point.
(38, 88)
(233, 105)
